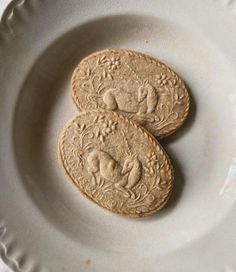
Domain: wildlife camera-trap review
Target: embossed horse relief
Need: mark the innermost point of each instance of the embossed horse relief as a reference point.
(147, 98)
(102, 165)
(104, 168)
(145, 101)
(133, 168)
(135, 85)
(125, 177)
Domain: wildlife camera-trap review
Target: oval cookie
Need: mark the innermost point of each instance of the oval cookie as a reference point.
(134, 85)
(116, 163)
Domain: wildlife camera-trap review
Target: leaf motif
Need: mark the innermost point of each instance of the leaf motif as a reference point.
(146, 169)
(109, 75)
(102, 89)
(88, 146)
(164, 183)
(104, 73)
(99, 86)
(101, 117)
(95, 119)
(84, 77)
(74, 152)
(176, 96)
(88, 72)
(82, 127)
(158, 179)
(101, 138)
(97, 133)
(76, 125)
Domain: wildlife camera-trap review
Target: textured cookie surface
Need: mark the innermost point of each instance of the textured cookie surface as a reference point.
(134, 85)
(116, 163)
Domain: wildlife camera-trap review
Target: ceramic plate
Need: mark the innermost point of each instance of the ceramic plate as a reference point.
(46, 224)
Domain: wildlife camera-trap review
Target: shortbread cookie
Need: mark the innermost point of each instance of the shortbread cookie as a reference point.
(134, 85)
(116, 163)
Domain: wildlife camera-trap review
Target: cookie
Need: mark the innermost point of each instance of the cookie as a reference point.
(116, 163)
(134, 85)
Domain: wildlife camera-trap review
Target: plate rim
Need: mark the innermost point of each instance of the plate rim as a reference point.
(6, 30)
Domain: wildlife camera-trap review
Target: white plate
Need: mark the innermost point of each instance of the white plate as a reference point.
(46, 224)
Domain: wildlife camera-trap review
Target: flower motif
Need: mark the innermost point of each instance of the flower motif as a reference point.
(179, 98)
(108, 127)
(113, 63)
(162, 79)
(151, 159)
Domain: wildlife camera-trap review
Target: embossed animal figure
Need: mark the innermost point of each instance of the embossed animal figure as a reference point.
(147, 97)
(102, 165)
(132, 166)
(118, 98)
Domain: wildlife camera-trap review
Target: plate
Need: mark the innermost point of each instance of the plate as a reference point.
(46, 224)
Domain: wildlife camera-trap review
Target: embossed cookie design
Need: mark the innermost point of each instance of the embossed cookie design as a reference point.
(116, 163)
(134, 85)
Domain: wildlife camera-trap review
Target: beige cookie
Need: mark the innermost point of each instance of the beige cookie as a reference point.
(134, 85)
(116, 163)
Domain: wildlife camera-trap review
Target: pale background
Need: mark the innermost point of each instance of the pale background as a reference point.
(3, 4)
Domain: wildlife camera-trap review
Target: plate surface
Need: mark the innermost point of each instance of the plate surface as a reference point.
(45, 223)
